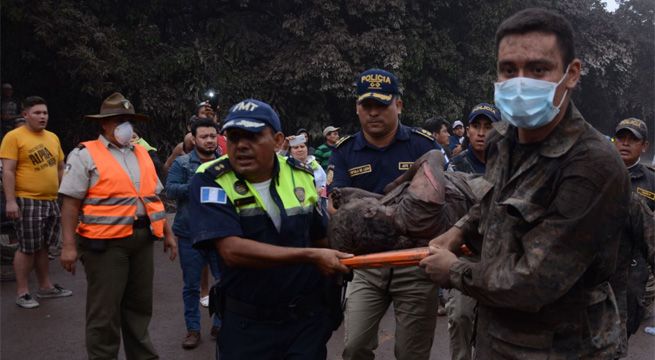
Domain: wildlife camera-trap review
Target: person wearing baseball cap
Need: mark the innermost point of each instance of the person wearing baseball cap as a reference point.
(472, 159)
(461, 308)
(372, 158)
(261, 212)
(113, 184)
(631, 140)
(457, 139)
(323, 152)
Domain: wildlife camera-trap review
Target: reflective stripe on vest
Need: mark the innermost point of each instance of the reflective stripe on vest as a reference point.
(109, 209)
(290, 181)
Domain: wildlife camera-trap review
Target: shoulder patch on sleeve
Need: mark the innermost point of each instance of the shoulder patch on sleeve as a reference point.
(343, 140)
(422, 132)
(212, 195)
(300, 166)
(216, 168)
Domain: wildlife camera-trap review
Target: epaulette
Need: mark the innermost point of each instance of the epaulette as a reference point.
(217, 168)
(343, 140)
(651, 168)
(300, 166)
(422, 132)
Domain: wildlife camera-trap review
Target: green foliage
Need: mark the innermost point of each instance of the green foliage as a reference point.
(302, 56)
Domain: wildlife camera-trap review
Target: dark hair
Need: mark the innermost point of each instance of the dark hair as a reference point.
(33, 100)
(202, 122)
(434, 124)
(540, 20)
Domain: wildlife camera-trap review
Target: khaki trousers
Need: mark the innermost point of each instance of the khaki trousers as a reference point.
(414, 298)
(461, 322)
(119, 297)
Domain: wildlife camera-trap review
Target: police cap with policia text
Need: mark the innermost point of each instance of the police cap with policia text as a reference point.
(253, 116)
(377, 84)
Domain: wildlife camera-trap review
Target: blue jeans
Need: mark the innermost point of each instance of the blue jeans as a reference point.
(192, 262)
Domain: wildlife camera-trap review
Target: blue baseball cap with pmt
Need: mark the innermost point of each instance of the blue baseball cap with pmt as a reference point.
(487, 110)
(253, 116)
(377, 84)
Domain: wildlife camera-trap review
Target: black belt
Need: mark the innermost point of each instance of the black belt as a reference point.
(301, 306)
(141, 222)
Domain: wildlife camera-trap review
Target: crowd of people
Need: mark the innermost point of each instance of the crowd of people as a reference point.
(539, 227)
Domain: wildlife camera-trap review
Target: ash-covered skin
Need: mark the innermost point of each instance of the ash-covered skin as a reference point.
(419, 205)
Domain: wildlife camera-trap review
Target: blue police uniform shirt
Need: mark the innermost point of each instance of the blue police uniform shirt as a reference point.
(218, 218)
(356, 163)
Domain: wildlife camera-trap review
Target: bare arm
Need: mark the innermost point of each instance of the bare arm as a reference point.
(69, 217)
(9, 186)
(237, 251)
(60, 170)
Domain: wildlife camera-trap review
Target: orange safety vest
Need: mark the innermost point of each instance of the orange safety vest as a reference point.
(109, 209)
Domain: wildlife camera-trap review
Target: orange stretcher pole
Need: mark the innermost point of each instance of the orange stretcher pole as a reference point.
(405, 257)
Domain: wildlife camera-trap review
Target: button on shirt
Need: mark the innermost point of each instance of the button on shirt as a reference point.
(356, 163)
(81, 172)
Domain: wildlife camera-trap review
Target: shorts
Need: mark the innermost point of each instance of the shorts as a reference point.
(38, 226)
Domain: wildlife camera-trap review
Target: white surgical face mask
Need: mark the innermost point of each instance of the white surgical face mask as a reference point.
(123, 133)
(528, 103)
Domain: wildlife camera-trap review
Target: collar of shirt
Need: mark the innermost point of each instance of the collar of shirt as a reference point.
(560, 140)
(108, 144)
(478, 165)
(194, 157)
(636, 171)
(402, 134)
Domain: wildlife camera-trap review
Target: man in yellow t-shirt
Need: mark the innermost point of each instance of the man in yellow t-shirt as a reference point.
(33, 163)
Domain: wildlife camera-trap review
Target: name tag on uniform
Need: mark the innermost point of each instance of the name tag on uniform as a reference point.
(212, 195)
(364, 169)
(645, 193)
(405, 165)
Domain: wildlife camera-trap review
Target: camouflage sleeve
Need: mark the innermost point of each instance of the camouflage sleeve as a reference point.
(469, 222)
(579, 227)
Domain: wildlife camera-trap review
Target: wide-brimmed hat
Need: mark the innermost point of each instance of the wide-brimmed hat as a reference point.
(116, 105)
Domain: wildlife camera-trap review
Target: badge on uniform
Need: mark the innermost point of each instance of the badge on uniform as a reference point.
(240, 188)
(300, 194)
(645, 193)
(212, 195)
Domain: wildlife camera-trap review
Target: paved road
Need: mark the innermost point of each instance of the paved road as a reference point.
(55, 330)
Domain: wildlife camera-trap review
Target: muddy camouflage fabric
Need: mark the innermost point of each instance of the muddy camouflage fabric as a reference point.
(550, 222)
(421, 204)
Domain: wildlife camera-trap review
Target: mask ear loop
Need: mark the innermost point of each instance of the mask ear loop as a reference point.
(566, 73)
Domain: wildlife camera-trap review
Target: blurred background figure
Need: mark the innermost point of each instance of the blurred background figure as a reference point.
(298, 150)
(323, 153)
(440, 129)
(308, 140)
(10, 108)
